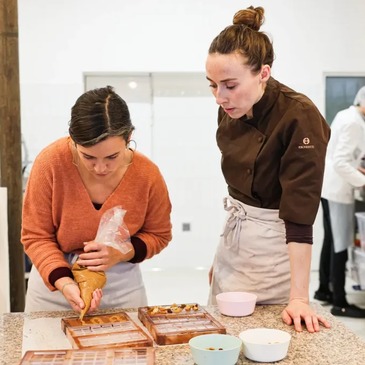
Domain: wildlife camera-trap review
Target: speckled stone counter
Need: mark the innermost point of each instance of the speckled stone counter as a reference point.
(335, 346)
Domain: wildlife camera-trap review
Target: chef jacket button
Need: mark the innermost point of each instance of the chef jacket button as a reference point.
(260, 139)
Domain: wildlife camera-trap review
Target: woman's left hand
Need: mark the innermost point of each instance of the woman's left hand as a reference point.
(95, 301)
(298, 311)
(100, 257)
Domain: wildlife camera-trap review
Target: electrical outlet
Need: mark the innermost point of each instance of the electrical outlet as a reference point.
(186, 227)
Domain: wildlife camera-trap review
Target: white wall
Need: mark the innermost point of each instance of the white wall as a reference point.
(61, 39)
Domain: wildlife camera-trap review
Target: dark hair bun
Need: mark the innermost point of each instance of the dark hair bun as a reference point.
(251, 17)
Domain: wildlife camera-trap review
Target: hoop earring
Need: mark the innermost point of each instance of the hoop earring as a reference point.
(128, 147)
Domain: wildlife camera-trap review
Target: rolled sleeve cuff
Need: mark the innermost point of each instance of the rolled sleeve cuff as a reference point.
(301, 233)
(59, 273)
(140, 249)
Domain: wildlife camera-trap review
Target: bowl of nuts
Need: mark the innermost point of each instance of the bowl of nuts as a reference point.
(215, 349)
(265, 344)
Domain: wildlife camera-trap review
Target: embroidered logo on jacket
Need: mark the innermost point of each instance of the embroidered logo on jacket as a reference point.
(306, 143)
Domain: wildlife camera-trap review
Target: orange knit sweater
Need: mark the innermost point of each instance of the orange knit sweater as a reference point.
(58, 215)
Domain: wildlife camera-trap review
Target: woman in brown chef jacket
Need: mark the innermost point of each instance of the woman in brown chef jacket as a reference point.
(273, 142)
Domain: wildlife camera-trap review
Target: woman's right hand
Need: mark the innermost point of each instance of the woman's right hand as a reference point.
(71, 292)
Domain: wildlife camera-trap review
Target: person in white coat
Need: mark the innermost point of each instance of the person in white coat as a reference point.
(342, 176)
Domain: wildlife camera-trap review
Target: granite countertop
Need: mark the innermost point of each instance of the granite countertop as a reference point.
(334, 346)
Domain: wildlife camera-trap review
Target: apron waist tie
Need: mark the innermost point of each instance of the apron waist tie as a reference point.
(233, 225)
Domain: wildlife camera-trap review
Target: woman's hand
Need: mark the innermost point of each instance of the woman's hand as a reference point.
(298, 310)
(100, 257)
(95, 301)
(71, 292)
(361, 169)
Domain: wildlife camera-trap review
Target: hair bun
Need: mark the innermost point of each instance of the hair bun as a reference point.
(251, 17)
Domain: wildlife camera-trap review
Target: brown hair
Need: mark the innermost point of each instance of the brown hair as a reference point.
(244, 37)
(99, 114)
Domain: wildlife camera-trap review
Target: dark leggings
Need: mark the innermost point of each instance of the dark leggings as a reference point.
(332, 266)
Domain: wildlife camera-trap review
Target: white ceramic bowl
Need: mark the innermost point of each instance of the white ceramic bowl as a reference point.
(236, 303)
(265, 344)
(215, 349)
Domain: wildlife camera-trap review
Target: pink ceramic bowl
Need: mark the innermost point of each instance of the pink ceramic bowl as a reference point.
(236, 304)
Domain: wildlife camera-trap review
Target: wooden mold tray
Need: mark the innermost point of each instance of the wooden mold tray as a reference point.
(175, 328)
(101, 331)
(126, 356)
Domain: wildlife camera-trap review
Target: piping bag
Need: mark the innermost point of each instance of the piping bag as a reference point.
(113, 232)
(88, 281)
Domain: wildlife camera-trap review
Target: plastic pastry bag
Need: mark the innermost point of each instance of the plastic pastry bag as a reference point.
(88, 281)
(113, 232)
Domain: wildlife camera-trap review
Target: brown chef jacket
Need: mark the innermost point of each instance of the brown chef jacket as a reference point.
(276, 159)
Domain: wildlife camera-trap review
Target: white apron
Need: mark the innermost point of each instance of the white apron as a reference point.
(342, 218)
(252, 254)
(124, 288)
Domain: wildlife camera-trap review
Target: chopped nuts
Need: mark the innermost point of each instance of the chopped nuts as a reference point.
(174, 308)
(213, 348)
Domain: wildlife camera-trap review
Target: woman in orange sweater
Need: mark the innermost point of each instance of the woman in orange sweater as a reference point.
(72, 183)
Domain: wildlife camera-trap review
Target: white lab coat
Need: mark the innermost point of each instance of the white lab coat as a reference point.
(344, 152)
(341, 176)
